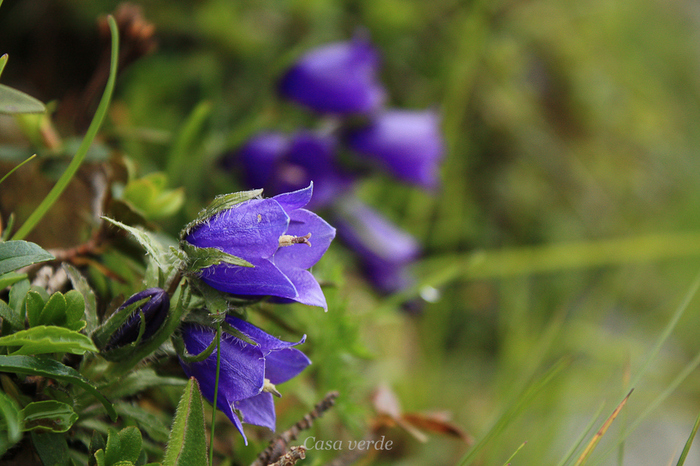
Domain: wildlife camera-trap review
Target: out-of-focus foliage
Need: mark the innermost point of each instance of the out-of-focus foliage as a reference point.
(567, 124)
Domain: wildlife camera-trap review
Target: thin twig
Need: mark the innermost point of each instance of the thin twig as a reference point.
(280, 444)
(290, 459)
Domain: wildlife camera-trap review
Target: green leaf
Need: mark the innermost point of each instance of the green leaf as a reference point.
(10, 420)
(35, 304)
(148, 422)
(13, 101)
(89, 301)
(44, 339)
(188, 444)
(3, 58)
(131, 441)
(54, 370)
(75, 306)
(51, 447)
(17, 294)
(10, 316)
(148, 241)
(114, 445)
(49, 415)
(151, 198)
(97, 443)
(10, 279)
(54, 311)
(140, 380)
(220, 203)
(17, 254)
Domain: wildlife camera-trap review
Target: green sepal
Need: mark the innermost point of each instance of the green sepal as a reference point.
(187, 444)
(103, 333)
(17, 254)
(45, 339)
(219, 204)
(149, 242)
(53, 369)
(49, 415)
(201, 258)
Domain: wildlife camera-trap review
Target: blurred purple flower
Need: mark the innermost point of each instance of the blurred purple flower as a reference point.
(245, 370)
(280, 163)
(155, 310)
(384, 250)
(338, 78)
(406, 143)
(278, 237)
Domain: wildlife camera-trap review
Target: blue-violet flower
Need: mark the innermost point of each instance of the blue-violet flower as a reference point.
(279, 238)
(385, 250)
(248, 373)
(338, 78)
(406, 143)
(155, 310)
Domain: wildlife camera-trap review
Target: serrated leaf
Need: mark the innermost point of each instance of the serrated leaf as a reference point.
(219, 204)
(45, 339)
(10, 418)
(147, 240)
(54, 311)
(53, 369)
(187, 444)
(49, 415)
(89, 301)
(17, 254)
(13, 101)
(35, 304)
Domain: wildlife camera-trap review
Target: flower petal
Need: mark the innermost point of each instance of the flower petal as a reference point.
(296, 199)
(258, 410)
(285, 364)
(262, 280)
(309, 290)
(301, 256)
(248, 230)
(266, 341)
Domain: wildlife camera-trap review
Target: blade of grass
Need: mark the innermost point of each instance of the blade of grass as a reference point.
(513, 410)
(599, 435)
(79, 156)
(686, 448)
(3, 58)
(13, 170)
(507, 463)
(579, 441)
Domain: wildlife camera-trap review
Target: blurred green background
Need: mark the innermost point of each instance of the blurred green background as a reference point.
(567, 228)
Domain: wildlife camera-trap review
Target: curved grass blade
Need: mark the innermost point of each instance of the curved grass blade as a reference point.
(579, 440)
(689, 443)
(16, 167)
(52, 369)
(599, 435)
(94, 127)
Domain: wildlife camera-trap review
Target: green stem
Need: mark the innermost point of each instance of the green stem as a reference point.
(94, 127)
(216, 393)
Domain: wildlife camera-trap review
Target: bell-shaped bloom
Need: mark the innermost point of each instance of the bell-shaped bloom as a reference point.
(246, 370)
(155, 310)
(278, 237)
(279, 163)
(406, 143)
(385, 251)
(338, 78)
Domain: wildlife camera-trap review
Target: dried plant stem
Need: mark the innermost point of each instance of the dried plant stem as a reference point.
(280, 444)
(290, 459)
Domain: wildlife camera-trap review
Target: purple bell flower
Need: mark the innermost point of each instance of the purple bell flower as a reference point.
(338, 78)
(155, 310)
(280, 163)
(384, 249)
(248, 373)
(279, 238)
(406, 143)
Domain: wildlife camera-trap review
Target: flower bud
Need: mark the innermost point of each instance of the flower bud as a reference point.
(155, 310)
